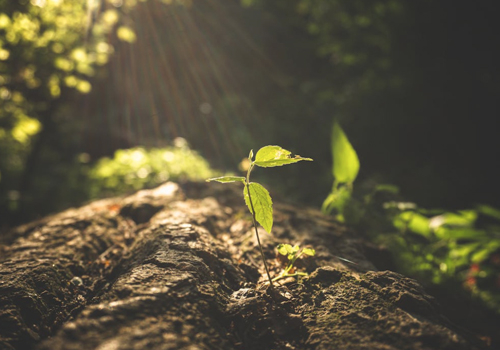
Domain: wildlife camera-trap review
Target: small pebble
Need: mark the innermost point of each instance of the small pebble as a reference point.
(77, 281)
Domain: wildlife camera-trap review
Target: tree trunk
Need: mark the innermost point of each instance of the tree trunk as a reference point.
(177, 267)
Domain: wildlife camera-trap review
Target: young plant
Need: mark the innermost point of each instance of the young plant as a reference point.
(256, 197)
(291, 254)
(345, 170)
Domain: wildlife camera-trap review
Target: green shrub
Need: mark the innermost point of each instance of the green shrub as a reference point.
(137, 168)
(446, 248)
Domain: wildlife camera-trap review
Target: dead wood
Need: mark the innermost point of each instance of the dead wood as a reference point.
(177, 267)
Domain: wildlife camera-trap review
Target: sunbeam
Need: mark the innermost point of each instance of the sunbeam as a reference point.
(181, 77)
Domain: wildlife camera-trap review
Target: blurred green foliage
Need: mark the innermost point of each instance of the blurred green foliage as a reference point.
(460, 248)
(137, 168)
(446, 248)
(49, 50)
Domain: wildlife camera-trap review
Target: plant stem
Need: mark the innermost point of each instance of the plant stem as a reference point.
(297, 274)
(247, 184)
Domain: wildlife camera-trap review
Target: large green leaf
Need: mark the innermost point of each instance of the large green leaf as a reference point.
(345, 159)
(262, 203)
(225, 179)
(271, 156)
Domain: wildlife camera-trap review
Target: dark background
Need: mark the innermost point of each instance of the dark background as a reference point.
(414, 85)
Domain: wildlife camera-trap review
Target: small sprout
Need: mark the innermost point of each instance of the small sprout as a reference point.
(256, 197)
(288, 255)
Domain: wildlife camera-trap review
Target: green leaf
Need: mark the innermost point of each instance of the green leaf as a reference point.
(288, 250)
(415, 222)
(489, 211)
(308, 251)
(225, 179)
(444, 232)
(485, 251)
(463, 251)
(271, 156)
(262, 203)
(284, 249)
(345, 159)
(463, 218)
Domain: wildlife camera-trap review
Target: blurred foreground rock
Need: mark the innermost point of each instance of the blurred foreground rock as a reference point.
(177, 267)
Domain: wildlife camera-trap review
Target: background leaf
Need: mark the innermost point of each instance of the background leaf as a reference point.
(271, 156)
(226, 179)
(489, 211)
(345, 159)
(415, 222)
(262, 204)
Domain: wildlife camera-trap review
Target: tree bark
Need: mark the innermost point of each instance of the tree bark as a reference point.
(177, 267)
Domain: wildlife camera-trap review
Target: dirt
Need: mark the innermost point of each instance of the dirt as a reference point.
(178, 267)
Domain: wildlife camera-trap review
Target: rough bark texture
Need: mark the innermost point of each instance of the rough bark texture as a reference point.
(178, 268)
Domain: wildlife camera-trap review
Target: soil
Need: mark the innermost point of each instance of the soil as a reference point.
(178, 267)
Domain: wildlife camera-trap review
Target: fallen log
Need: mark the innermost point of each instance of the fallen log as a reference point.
(177, 267)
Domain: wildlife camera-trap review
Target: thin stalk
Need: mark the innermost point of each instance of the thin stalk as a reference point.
(247, 184)
(297, 274)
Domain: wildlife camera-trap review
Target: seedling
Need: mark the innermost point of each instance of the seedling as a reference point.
(345, 170)
(256, 197)
(291, 254)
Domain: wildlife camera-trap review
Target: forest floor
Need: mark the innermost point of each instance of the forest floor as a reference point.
(178, 267)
